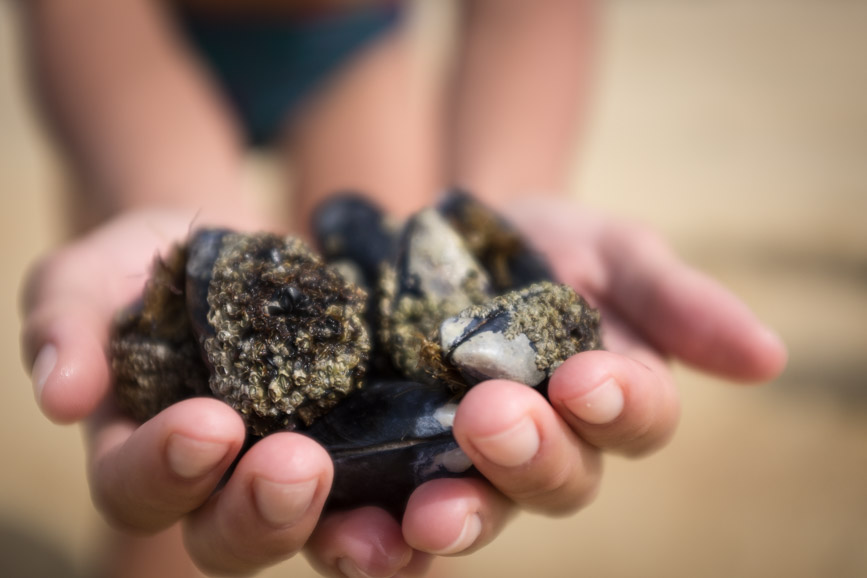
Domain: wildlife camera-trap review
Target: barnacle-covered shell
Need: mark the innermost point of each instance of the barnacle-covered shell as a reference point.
(435, 277)
(510, 261)
(523, 335)
(361, 241)
(154, 359)
(287, 338)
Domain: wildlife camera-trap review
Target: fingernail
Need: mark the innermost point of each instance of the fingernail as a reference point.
(348, 569)
(513, 447)
(599, 406)
(469, 534)
(191, 458)
(44, 364)
(282, 504)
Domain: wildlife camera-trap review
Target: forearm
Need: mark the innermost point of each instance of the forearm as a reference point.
(135, 115)
(375, 128)
(520, 93)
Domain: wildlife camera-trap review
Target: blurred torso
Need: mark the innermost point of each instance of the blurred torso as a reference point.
(275, 7)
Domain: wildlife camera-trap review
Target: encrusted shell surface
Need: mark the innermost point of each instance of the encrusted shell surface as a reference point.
(504, 253)
(435, 277)
(154, 358)
(523, 335)
(289, 340)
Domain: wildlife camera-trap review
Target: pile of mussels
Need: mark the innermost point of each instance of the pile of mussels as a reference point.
(367, 349)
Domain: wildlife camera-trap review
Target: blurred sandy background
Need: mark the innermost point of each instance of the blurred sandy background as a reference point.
(738, 128)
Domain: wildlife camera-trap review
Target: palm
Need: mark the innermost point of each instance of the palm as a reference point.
(653, 305)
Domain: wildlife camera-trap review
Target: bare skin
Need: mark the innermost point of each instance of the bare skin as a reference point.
(152, 162)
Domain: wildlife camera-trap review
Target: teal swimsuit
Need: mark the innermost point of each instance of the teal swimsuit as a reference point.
(267, 67)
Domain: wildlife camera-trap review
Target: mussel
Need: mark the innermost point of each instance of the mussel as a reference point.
(262, 322)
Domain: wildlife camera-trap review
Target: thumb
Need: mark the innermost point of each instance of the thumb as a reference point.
(68, 308)
(63, 344)
(68, 302)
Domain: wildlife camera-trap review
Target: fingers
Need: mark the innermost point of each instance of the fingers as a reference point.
(616, 402)
(443, 517)
(518, 442)
(63, 337)
(66, 352)
(624, 402)
(267, 510)
(69, 301)
(145, 478)
(455, 516)
(683, 312)
(149, 477)
(366, 542)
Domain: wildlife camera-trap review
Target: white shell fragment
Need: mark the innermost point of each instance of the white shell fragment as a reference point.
(523, 335)
(445, 415)
(491, 354)
(439, 260)
(454, 461)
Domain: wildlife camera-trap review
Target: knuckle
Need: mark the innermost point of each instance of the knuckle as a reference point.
(50, 269)
(648, 435)
(566, 490)
(35, 278)
(125, 507)
(219, 565)
(639, 236)
(651, 430)
(47, 278)
(630, 237)
(221, 552)
(112, 511)
(640, 439)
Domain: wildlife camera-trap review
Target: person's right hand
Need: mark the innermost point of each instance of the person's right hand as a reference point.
(147, 477)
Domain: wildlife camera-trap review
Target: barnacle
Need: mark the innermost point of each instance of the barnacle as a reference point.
(283, 333)
(523, 335)
(289, 340)
(154, 357)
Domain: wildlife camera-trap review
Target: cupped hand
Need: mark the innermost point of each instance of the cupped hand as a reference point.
(535, 454)
(147, 477)
(546, 456)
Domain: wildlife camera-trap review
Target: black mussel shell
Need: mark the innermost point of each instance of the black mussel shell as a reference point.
(348, 227)
(287, 340)
(354, 235)
(154, 357)
(511, 262)
(434, 276)
(280, 333)
(388, 439)
(203, 248)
